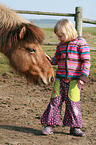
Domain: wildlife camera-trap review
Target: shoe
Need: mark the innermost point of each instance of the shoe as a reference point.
(47, 130)
(77, 132)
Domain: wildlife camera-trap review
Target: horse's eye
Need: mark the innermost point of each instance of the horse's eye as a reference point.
(31, 50)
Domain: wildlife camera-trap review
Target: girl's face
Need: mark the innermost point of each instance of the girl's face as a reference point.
(61, 37)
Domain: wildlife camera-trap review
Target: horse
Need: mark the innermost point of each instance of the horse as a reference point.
(20, 42)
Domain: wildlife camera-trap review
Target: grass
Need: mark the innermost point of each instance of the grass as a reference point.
(88, 33)
(93, 65)
(4, 67)
(49, 35)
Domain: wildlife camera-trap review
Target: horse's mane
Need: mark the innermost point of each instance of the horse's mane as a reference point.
(10, 26)
(33, 34)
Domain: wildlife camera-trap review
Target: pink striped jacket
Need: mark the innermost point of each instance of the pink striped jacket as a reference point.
(73, 60)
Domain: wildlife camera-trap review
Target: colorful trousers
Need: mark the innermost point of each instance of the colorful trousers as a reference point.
(52, 114)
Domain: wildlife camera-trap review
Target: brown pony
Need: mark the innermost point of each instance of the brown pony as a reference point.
(21, 42)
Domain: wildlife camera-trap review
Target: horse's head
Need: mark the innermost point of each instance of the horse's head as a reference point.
(27, 56)
(21, 42)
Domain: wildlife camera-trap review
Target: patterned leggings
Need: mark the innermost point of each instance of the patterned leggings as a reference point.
(52, 114)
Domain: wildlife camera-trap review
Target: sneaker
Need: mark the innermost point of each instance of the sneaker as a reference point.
(47, 130)
(76, 132)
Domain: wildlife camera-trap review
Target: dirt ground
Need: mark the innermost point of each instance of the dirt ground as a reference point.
(22, 105)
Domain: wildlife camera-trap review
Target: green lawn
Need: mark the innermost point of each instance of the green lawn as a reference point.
(89, 33)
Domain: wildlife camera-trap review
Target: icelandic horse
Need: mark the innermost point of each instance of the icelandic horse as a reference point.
(20, 42)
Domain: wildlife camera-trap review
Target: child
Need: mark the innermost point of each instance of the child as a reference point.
(73, 59)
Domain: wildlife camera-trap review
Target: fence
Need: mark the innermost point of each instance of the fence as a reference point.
(78, 17)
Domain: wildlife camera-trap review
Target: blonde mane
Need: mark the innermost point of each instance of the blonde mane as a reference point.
(10, 16)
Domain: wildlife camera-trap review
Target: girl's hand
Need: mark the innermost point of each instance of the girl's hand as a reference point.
(48, 57)
(80, 82)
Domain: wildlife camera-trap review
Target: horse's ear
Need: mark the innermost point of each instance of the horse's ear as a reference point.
(22, 33)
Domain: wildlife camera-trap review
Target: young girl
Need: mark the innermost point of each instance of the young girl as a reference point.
(73, 59)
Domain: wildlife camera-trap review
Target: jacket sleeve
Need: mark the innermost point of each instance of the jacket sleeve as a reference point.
(56, 57)
(85, 62)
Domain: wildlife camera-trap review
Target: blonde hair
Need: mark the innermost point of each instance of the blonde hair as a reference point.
(67, 28)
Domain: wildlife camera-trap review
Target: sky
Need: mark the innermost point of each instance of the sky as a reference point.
(60, 6)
